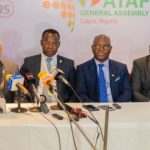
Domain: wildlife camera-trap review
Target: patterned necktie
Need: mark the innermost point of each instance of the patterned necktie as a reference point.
(102, 86)
(48, 61)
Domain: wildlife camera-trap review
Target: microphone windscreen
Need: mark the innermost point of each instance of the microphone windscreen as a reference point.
(13, 80)
(30, 78)
(42, 75)
(8, 77)
(46, 79)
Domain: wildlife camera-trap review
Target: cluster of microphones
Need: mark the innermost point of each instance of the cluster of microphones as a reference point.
(16, 83)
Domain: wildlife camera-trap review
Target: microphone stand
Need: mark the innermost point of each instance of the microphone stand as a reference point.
(51, 89)
(35, 108)
(19, 109)
(106, 127)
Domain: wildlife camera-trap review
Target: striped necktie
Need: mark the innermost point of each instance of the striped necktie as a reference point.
(48, 62)
(102, 85)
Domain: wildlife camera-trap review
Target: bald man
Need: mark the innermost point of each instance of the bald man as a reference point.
(102, 79)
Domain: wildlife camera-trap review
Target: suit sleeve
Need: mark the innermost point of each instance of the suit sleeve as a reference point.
(81, 87)
(72, 79)
(126, 93)
(24, 68)
(137, 84)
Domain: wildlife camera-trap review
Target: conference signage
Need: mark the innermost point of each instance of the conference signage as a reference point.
(97, 11)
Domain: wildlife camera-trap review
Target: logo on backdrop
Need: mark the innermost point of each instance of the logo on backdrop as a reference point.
(109, 11)
(66, 9)
(93, 2)
(96, 12)
(6, 8)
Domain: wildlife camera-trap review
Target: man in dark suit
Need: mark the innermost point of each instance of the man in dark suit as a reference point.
(116, 77)
(140, 78)
(6, 67)
(47, 61)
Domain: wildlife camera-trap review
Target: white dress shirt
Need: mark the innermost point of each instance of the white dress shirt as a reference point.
(44, 90)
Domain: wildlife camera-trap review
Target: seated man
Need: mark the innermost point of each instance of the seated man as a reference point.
(102, 79)
(6, 67)
(140, 79)
(47, 61)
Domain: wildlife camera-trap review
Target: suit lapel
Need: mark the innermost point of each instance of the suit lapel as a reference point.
(112, 73)
(37, 65)
(60, 62)
(93, 75)
(148, 63)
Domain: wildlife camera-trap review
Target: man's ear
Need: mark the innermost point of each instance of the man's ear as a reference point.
(92, 47)
(59, 44)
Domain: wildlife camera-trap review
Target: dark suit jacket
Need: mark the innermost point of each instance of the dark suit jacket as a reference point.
(87, 81)
(11, 68)
(140, 79)
(33, 65)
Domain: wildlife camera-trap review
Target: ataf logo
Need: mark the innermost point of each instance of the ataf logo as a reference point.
(6, 8)
(93, 2)
(66, 9)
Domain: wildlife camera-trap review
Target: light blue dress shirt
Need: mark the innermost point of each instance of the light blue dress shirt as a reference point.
(107, 77)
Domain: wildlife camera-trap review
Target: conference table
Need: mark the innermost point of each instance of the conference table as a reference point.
(128, 129)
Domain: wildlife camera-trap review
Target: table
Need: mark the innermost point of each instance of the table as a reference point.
(129, 129)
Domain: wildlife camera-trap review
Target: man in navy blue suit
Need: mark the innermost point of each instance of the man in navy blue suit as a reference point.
(47, 61)
(115, 74)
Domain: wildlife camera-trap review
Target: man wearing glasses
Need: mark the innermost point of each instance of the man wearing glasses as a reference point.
(102, 79)
(47, 61)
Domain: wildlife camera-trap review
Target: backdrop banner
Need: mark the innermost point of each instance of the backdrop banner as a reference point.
(127, 22)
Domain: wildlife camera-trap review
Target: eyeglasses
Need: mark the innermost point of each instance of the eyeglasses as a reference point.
(50, 43)
(103, 46)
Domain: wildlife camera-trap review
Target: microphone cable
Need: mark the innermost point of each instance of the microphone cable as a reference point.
(32, 100)
(95, 120)
(59, 140)
(73, 134)
(55, 129)
(69, 122)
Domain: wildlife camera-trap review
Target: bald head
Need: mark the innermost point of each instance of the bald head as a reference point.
(102, 36)
(101, 47)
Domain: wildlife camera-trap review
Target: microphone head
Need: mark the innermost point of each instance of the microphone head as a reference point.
(46, 79)
(59, 74)
(29, 78)
(8, 77)
(13, 80)
(42, 75)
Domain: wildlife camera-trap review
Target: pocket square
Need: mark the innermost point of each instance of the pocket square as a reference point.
(117, 79)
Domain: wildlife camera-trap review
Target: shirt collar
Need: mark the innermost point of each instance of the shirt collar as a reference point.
(54, 57)
(106, 62)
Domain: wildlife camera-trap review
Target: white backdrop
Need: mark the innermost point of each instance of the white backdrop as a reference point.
(127, 22)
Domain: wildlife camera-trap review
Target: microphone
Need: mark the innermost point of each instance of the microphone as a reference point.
(15, 82)
(60, 76)
(29, 78)
(46, 80)
(56, 74)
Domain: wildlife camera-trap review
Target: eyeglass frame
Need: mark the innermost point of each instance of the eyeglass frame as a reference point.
(104, 46)
(50, 43)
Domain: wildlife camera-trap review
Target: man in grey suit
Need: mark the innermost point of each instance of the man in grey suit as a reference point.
(140, 78)
(47, 61)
